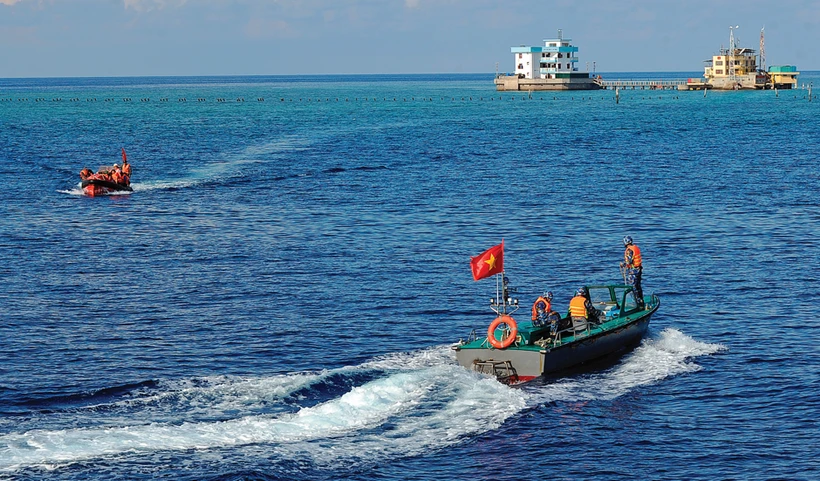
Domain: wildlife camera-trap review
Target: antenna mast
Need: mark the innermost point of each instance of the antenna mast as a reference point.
(732, 48)
(762, 51)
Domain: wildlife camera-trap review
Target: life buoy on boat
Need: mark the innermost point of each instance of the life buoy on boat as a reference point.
(507, 341)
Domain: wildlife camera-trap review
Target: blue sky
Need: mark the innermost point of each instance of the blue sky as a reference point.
(79, 38)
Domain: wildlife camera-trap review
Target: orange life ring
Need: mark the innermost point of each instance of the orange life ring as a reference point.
(506, 342)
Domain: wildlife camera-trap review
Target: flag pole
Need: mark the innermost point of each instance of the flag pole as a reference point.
(498, 295)
(501, 292)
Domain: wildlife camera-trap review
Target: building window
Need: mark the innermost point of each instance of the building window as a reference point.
(559, 66)
(520, 66)
(719, 72)
(520, 55)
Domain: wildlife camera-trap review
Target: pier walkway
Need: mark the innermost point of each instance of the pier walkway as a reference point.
(642, 84)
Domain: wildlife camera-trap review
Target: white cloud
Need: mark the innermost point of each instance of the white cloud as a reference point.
(261, 28)
(412, 3)
(8, 2)
(148, 5)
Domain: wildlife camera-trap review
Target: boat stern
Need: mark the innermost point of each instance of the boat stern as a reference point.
(507, 365)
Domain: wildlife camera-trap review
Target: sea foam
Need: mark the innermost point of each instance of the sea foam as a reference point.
(418, 401)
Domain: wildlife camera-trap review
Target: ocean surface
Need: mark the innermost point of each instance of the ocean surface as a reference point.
(277, 298)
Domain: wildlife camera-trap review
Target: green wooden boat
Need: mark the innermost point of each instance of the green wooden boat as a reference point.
(537, 348)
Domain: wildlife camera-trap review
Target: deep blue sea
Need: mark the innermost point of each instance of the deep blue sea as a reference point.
(277, 298)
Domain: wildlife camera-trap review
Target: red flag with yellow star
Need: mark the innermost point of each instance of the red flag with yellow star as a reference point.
(489, 262)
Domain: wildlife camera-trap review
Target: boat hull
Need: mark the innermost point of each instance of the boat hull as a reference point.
(95, 187)
(530, 362)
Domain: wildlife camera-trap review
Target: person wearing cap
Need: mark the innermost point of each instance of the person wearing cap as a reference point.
(116, 174)
(543, 315)
(634, 269)
(581, 311)
(541, 308)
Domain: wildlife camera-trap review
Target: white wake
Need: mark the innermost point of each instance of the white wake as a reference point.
(418, 402)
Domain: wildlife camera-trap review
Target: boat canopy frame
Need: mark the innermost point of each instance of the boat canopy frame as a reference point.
(605, 299)
(627, 304)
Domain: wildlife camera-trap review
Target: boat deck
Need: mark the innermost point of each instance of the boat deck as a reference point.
(536, 338)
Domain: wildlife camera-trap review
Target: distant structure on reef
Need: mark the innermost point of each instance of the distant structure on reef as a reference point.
(551, 67)
(736, 68)
(554, 67)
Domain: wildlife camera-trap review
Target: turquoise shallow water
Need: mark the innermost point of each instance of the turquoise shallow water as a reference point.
(277, 298)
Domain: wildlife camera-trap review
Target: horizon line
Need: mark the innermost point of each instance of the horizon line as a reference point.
(330, 74)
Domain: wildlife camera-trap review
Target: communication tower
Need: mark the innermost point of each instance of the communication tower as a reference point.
(732, 51)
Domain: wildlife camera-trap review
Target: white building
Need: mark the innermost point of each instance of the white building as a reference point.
(556, 59)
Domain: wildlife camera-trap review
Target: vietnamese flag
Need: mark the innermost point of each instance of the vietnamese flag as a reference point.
(123, 155)
(489, 262)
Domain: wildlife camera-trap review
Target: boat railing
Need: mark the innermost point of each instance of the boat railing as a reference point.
(472, 337)
(622, 319)
(576, 333)
(557, 339)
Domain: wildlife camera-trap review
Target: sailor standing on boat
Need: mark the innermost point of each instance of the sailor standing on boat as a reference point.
(634, 269)
(126, 168)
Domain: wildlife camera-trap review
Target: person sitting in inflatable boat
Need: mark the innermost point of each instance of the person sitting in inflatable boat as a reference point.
(106, 180)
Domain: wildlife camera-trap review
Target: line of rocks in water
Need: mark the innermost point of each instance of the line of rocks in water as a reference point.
(348, 99)
(262, 99)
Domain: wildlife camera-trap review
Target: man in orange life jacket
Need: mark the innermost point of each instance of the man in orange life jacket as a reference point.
(541, 308)
(581, 310)
(634, 269)
(116, 175)
(543, 315)
(126, 171)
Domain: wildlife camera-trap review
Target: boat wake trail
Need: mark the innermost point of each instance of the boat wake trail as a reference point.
(233, 166)
(228, 167)
(669, 354)
(413, 402)
(393, 406)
